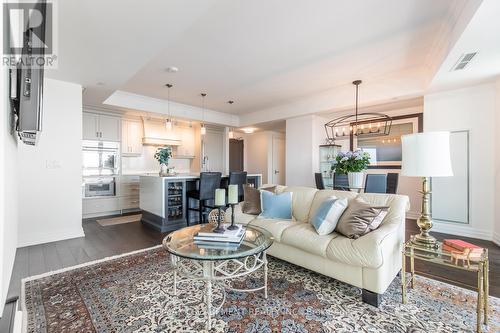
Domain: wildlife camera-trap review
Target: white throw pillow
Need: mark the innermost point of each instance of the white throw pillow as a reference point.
(327, 216)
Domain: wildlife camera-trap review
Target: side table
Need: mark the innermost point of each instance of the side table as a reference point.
(441, 257)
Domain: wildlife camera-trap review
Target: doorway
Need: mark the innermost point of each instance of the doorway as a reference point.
(278, 161)
(236, 155)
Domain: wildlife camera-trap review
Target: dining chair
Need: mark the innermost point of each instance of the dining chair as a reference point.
(209, 181)
(318, 177)
(376, 183)
(340, 182)
(392, 183)
(238, 178)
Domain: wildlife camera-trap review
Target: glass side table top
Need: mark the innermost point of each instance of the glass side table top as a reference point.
(181, 243)
(439, 256)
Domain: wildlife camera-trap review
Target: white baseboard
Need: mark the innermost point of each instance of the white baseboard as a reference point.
(412, 215)
(462, 230)
(49, 236)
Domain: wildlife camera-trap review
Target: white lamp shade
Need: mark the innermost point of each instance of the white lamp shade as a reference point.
(426, 155)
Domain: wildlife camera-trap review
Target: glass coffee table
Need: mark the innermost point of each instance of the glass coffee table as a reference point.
(217, 267)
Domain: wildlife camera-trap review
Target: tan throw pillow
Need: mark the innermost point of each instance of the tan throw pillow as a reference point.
(251, 203)
(360, 218)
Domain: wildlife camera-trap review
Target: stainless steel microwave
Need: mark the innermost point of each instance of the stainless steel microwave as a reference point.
(99, 187)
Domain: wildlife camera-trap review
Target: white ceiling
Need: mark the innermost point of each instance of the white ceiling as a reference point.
(481, 35)
(264, 54)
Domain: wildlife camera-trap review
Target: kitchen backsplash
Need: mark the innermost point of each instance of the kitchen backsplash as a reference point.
(147, 163)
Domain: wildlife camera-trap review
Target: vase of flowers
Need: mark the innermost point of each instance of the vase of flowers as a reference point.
(162, 155)
(352, 163)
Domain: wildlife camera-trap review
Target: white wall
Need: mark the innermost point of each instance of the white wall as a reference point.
(51, 173)
(471, 109)
(8, 192)
(496, 234)
(300, 150)
(258, 153)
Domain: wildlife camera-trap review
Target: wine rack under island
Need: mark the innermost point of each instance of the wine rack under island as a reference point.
(163, 199)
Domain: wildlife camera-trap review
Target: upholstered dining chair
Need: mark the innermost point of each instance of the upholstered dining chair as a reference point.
(209, 181)
(340, 182)
(392, 183)
(318, 177)
(376, 183)
(238, 178)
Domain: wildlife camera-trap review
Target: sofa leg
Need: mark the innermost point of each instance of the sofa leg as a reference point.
(371, 298)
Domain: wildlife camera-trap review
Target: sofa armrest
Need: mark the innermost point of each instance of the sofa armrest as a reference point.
(239, 216)
(385, 241)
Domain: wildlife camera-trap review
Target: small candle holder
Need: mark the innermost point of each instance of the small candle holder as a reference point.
(232, 226)
(220, 229)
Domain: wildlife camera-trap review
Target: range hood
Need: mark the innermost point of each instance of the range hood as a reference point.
(156, 134)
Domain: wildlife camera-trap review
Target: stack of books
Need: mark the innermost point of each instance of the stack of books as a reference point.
(229, 239)
(462, 250)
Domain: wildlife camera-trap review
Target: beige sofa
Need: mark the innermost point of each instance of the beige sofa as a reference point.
(370, 262)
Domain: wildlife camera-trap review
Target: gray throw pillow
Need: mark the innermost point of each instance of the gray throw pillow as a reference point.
(360, 218)
(251, 203)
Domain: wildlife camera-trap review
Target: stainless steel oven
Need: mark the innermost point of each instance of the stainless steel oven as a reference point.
(99, 187)
(100, 158)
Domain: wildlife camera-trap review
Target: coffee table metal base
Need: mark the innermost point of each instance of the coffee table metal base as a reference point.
(218, 273)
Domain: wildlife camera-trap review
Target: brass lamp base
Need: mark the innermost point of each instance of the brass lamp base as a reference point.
(424, 222)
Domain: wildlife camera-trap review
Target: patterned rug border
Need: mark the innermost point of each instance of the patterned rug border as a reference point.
(98, 261)
(24, 310)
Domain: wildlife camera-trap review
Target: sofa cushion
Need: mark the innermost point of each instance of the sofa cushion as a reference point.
(321, 195)
(341, 249)
(239, 216)
(359, 218)
(303, 236)
(276, 188)
(276, 206)
(251, 203)
(398, 205)
(326, 217)
(275, 227)
(302, 200)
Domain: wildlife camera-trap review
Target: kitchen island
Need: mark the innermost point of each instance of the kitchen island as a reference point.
(164, 203)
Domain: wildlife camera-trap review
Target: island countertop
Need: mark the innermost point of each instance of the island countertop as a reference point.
(189, 175)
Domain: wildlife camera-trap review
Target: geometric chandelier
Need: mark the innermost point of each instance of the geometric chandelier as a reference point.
(364, 124)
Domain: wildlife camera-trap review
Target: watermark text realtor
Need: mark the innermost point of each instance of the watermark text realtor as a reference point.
(29, 34)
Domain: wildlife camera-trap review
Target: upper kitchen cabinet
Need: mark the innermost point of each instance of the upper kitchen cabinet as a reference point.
(131, 137)
(100, 127)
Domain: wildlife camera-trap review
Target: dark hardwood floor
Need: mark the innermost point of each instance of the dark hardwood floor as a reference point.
(100, 242)
(460, 277)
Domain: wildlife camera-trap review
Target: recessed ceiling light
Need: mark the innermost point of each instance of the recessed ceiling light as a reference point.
(248, 130)
(172, 69)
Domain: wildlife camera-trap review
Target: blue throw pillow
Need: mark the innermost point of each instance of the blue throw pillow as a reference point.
(328, 214)
(276, 206)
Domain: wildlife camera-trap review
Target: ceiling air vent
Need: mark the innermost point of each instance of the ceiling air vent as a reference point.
(463, 61)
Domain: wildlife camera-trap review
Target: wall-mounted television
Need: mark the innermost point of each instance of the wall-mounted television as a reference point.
(26, 79)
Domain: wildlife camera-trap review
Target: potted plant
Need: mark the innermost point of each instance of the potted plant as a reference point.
(352, 163)
(162, 155)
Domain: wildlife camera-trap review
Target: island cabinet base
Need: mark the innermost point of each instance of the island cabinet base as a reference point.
(161, 224)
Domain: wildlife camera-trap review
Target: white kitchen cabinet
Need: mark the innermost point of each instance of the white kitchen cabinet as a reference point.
(101, 127)
(109, 128)
(131, 137)
(90, 126)
(100, 206)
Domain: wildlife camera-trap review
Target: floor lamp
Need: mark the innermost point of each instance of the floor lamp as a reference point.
(426, 155)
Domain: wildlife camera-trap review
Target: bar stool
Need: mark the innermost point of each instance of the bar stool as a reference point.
(238, 178)
(209, 181)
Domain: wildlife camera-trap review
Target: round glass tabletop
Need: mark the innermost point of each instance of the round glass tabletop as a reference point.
(181, 243)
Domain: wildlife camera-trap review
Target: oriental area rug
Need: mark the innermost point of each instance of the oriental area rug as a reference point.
(134, 293)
